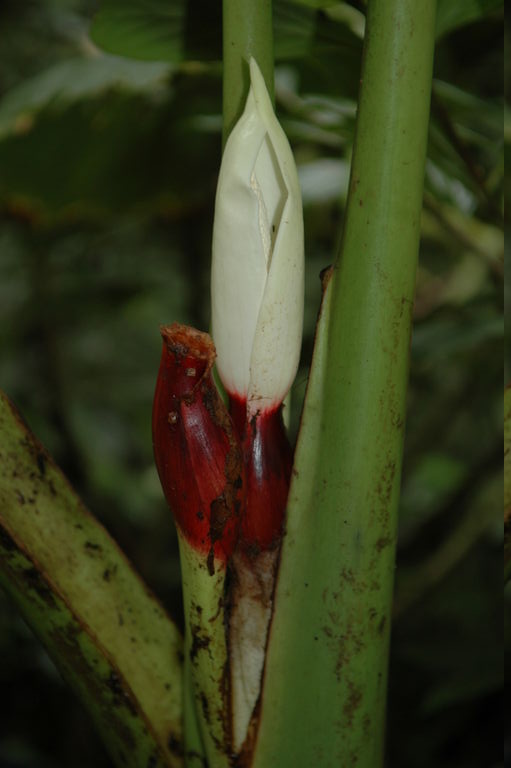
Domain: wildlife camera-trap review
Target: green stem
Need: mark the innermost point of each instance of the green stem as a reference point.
(110, 639)
(325, 682)
(367, 370)
(247, 31)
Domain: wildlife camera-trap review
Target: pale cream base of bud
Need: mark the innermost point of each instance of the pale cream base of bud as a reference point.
(254, 579)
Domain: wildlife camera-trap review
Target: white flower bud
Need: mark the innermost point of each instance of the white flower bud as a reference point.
(258, 259)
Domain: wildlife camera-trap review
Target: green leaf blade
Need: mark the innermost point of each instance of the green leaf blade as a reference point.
(453, 14)
(147, 31)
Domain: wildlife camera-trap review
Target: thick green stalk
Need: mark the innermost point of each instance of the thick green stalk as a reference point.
(247, 31)
(106, 633)
(325, 681)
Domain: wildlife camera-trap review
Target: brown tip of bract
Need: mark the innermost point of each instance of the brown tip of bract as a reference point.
(183, 340)
(197, 454)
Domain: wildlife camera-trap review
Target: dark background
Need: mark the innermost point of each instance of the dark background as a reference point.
(108, 168)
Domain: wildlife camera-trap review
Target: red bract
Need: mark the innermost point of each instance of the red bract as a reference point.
(268, 460)
(197, 454)
(225, 479)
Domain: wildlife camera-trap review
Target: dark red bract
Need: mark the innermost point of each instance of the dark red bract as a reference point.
(197, 454)
(268, 460)
(226, 479)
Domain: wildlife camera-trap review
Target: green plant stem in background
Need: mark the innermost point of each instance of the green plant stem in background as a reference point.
(325, 684)
(247, 31)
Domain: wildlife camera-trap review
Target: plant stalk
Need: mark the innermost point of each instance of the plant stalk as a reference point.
(247, 31)
(108, 636)
(325, 686)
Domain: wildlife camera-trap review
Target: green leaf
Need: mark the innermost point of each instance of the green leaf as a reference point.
(333, 65)
(452, 14)
(318, 4)
(436, 476)
(455, 333)
(74, 79)
(109, 637)
(479, 517)
(159, 31)
(43, 169)
(152, 31)
(294, 26)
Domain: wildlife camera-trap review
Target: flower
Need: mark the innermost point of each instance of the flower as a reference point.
(257, 286)
(257, 278)
(226, 474)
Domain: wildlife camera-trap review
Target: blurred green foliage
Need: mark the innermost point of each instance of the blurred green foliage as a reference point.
(108, 163)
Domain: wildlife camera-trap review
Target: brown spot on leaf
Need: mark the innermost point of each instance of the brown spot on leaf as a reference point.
(20, 497)
(349, 643)
(352, 704)
(205, 707)
(109, 573)
(91, 546)
(199, 641)
(122, 697)
(383, 542)
(41, 463)
(35, 581)
(175, 745)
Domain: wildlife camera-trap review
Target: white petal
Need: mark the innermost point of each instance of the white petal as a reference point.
(277, 340)
(257, 271)
(238, 273)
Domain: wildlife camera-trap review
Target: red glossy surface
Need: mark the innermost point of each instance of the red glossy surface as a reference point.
(268, 460)
(226, 480)
(196, 452)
